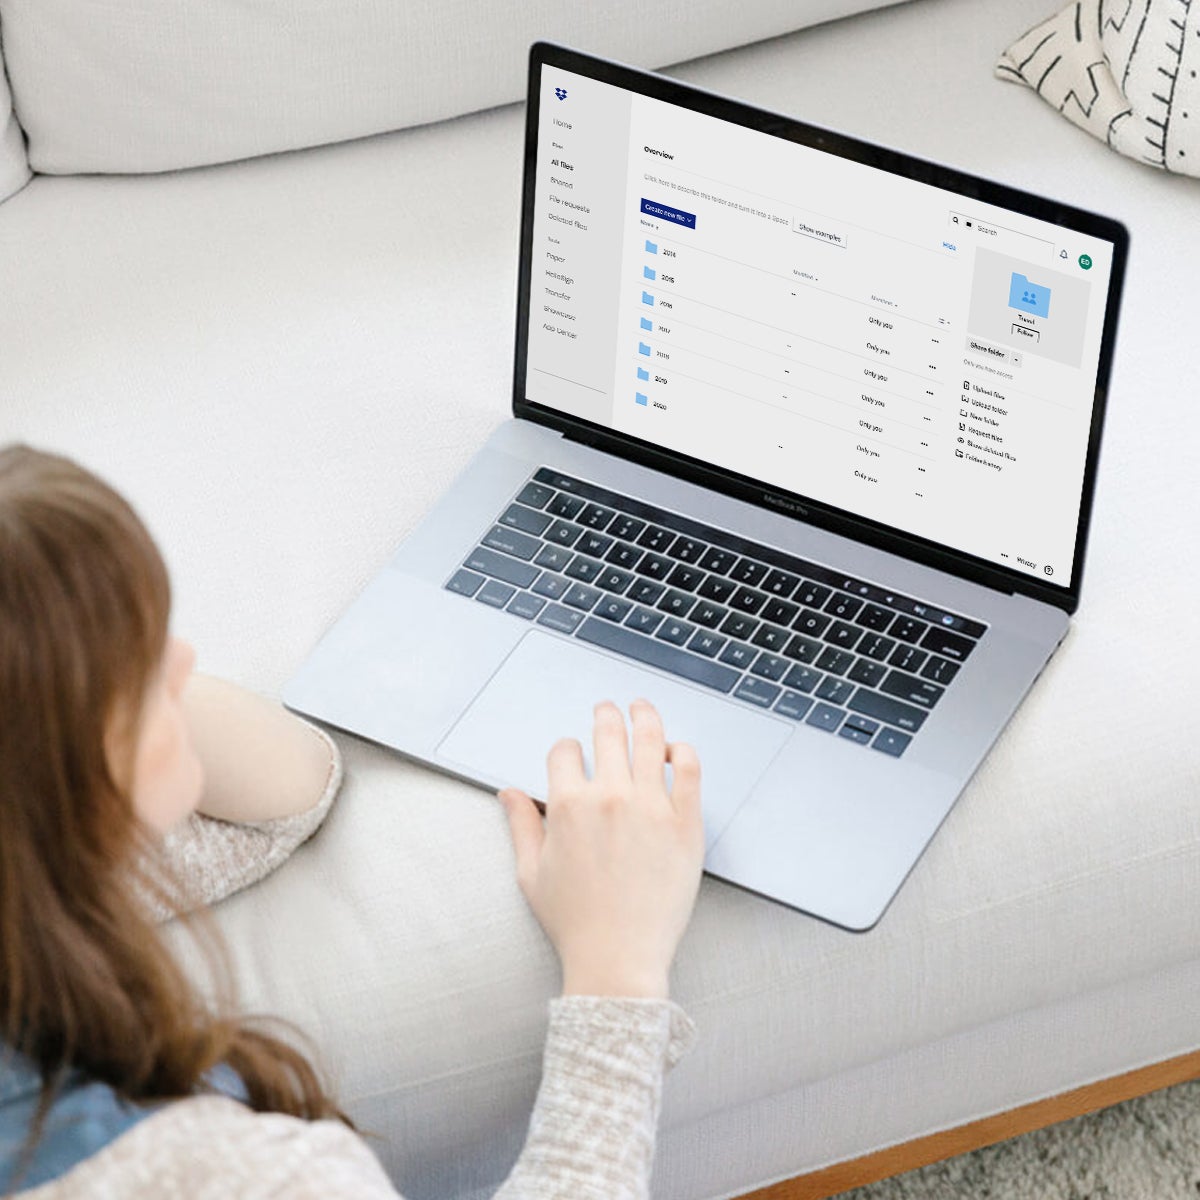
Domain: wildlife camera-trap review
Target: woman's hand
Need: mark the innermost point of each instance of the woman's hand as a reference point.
(613, 873)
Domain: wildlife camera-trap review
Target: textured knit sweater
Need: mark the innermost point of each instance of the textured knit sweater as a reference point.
(591, 1134)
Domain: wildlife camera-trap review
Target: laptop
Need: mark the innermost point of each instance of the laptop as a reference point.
(804, 440)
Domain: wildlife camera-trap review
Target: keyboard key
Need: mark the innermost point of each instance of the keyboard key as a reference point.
(655, 537)
(613, 609)
(793, 705)
(826, 717)
(500, 566)
(803, 679)
(612, 580)
(803, 649)
(554, 557)
(675, 631)
(687, 549)
(465, 583)
(813, 595)
(854, 734)
(520, 545)
(747, 600)
(623, 555)
(495, 593)
(580, 596)
(645, 591)
(708, 614)
(875, 616)
(843, 606)
(583, 568)
(563, 533)
(891, 742)
(771, 637)
(551, 585)
(596, 516)
(748, 571)
(836, 691)
(685, 577)
(716, 588)
(907, 629)
(864, 724)
(535, 495)
(868, 673)
(717, 560)
(908, 687)
(738, 654)
(842, 634)
(907, 658)
(811, 623)
(554, 616)
(884, 708)
(939, 670)
(644, 620)
(780, 612)
(876, 646)
(656, 653)
(565, 506)
(835, 661)
(952, 645)
(780, 583)
(625, 527)
(770, 666)
(593, 544)
(706, 643)
(739, 626)
(757, 691)
(676, 604)
(655, 566)
(517, 516)
(525, 605)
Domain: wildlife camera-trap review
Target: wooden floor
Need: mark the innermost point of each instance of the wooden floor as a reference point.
(830, 1181)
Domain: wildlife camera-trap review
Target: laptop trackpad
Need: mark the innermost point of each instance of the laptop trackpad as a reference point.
(547, 689)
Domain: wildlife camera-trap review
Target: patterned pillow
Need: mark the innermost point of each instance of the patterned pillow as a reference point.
(1124, 70)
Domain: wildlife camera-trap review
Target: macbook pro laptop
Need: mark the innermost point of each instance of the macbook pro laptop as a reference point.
(804, 440)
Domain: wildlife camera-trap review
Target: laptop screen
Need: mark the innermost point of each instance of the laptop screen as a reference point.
(854, 334)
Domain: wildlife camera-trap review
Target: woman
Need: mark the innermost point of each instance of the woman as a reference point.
(121, 779)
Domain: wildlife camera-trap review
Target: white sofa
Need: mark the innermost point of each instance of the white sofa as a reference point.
(282, 361)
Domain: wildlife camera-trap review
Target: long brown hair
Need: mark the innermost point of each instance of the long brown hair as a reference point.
(85, 981)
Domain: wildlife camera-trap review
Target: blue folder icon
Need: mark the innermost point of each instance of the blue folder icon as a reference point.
(649, 273)
(1028, 296)
(641, 399)
(651, 247)
(647, 298)
(647, 323)
(643, 373)
(643, 348)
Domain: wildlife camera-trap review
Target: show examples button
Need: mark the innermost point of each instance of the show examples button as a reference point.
(665, 212)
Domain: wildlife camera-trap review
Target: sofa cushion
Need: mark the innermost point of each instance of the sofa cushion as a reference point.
(14, 166)
(150, 85)
(1127, 73)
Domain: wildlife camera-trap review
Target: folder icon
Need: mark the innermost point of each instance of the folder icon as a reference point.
(647, 323)
(651, 247)
(640, 398)
(647, 298)
(643, 374)
(643, 349)
(649, 273)
(1028, 296)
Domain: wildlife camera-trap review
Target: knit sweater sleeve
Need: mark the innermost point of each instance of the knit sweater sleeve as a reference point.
(591, 1136)
(214, 858)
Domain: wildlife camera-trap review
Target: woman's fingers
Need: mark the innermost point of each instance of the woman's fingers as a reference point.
(649, 744)
(685, 785)
(611, 745)
(528, 835)
(564, 768)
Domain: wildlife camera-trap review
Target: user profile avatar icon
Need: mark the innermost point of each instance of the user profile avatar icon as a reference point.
(561, 93)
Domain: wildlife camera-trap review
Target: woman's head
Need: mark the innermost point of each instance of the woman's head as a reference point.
(95, 761)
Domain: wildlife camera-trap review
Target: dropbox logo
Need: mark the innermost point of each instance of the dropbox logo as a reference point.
(561, 93)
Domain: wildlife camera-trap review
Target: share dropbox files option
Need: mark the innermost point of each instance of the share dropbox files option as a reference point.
(848, 335)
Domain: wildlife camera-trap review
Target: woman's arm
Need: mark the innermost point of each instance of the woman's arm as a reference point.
(260, 762)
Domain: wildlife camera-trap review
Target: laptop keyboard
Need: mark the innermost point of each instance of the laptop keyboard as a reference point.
(768, 629)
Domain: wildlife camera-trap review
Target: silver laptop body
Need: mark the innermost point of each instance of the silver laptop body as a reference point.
(804, 444)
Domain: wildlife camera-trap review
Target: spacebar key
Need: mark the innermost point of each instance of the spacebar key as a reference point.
(657, 654)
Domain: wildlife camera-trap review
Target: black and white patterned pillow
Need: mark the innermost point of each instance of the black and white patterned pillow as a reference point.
(1124, 70)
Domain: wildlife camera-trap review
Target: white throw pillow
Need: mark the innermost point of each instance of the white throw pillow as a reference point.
(1124, 70)
(150, 85)
(14, 166)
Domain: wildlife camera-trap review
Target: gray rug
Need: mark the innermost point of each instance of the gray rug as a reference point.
(1145, 1149)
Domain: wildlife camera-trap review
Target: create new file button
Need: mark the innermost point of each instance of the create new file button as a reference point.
(666, 212)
